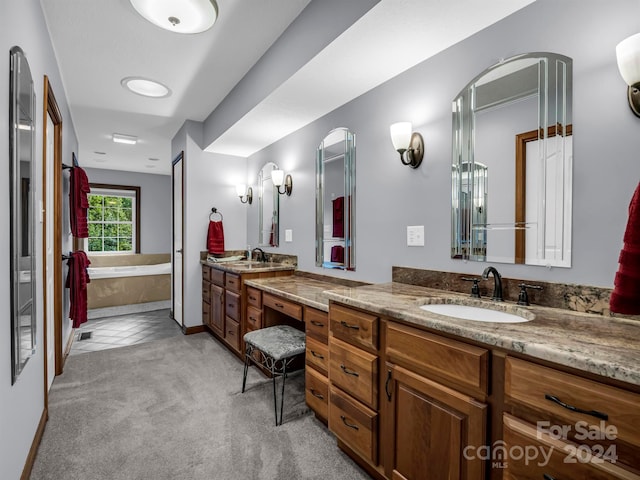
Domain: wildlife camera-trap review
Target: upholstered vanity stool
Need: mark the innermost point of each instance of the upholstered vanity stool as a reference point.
(277, 347)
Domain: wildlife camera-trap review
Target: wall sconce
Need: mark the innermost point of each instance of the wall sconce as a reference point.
(243, 191)
(409, 145)
(278, 178)
(628, 55)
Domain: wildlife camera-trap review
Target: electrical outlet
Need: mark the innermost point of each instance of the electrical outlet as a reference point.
(415, 236)
(288, 235)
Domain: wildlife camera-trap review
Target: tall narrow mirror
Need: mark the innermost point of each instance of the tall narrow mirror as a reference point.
(336, 200)
(269, 205)
(511, 188)
(22, 205)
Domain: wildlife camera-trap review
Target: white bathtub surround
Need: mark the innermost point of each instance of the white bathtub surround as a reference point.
(129, 271)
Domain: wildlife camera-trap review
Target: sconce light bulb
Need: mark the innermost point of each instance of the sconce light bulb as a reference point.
(241, 189)
(401, 135)
(277, 176)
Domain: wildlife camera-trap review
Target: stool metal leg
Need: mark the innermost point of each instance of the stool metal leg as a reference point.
(275, 398)
(284, 376)
(247, 359)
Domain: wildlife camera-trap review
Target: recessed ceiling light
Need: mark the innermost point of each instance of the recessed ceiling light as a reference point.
(128, 139)
(180, 16)
(145, 87)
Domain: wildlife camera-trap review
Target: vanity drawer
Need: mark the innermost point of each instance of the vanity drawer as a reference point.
(232, 282)
(288, 308)
(254, 318)
(353, 326)
(206, 313)
(206, 292)
(216, 276)
(316, 324)
(554, 459)
(354, 370)
(317, 392)
(254, 297)
(530, 385)
(354, 424)
(232, 333)
(206, 273)
(317, 355)
(454, 363)
(233, 305)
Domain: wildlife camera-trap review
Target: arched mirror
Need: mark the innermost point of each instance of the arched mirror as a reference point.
(511, 180)
(269, 202)
(336, 200)
(22, 204)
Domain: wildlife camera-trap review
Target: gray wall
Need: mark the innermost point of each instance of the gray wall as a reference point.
(155, 205)
(390, 196)
(21, 405)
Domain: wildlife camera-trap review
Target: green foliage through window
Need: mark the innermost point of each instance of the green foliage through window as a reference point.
(111, 222)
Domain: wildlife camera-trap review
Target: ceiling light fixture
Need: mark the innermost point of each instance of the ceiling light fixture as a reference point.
(180, 16)
(145, 87)
(126, 139)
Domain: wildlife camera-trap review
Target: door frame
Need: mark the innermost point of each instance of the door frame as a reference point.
(51, 109)
(178, 160)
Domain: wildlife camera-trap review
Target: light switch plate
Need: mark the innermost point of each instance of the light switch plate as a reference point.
(415, 236)
(288, 235)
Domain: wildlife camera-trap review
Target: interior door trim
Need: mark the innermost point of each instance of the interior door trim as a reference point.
(179, 159)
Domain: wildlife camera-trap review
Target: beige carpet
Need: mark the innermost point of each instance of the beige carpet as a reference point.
(172, 409)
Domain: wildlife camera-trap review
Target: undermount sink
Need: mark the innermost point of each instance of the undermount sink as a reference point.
(478, 314)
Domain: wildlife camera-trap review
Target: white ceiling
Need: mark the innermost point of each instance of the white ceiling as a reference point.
(98, 43)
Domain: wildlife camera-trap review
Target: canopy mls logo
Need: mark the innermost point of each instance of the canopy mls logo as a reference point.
(499, 453)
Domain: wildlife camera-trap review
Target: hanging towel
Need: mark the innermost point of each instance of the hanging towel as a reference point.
(215, 237)
(338, 217)
(79, 202)
(77, 280)
(337, 254)
(625, 298)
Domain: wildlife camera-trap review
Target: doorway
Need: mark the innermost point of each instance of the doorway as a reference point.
(177, 261)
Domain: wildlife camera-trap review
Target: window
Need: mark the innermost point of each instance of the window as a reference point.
(114, 219)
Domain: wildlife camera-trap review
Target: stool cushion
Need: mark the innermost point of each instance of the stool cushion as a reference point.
(277, 342)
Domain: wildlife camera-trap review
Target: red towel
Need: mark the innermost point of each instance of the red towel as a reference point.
(77, 280)
(79, 202)
(215, 238)
(338, 217)
(625, 298)
(337, 254)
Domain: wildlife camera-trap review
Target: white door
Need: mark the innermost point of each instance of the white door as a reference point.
(177, 259)
(49, 265)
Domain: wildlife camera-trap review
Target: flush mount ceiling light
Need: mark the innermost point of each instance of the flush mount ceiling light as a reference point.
(628, 56)
(145, 87)
(127, 139)
(180, 16)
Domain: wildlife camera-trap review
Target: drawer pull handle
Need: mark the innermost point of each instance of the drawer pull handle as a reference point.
(593, 413)
(252, 298)
(252, 319)
(349, 372)
(350, 425)
(345, 324)
(316, 323)
(317, 355)
(548, 477)
(316, 394)
(386, 385)
(279, 305)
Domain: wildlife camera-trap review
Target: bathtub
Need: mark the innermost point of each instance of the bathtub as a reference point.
(133, 284)
(96, 273)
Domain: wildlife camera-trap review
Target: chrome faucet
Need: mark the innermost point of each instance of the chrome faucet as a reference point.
(262, 257)
(497, 282)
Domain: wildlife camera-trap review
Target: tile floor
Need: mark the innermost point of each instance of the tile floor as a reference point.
(123, 330)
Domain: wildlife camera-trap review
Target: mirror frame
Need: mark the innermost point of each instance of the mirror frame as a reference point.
(274, 232)
(349, 207)
(22, 227)
(554, 94)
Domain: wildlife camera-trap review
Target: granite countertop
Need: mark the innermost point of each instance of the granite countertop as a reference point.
(606, 346)
(303, 290)
(246, 266)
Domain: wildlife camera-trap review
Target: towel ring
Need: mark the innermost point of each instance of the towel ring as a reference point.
(214, 211)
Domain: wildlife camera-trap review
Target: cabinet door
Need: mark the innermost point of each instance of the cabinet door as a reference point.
(431, 426)
(217, 309)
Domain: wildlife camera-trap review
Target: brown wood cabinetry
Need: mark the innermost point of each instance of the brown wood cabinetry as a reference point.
(592, 428)
(316, 323)
(225, 303)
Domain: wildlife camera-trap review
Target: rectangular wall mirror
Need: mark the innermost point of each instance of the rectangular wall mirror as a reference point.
(335, 200)
(269, 205)
(22, 204)
(511, 180)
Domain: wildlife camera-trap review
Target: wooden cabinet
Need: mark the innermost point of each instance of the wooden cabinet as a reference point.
(225, 304)
(588, 422)
(316, 324)
(353, 382)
